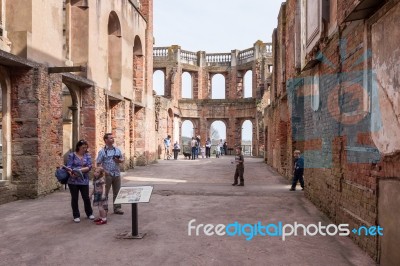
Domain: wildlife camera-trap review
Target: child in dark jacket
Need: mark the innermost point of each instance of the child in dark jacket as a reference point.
(239, 161)
(298, 171)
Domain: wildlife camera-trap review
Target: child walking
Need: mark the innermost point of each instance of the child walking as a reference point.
(99, 193)
(239, 159)
(203, 151)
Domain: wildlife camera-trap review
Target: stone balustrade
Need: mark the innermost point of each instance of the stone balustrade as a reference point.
(246, 55)
(188, 57)
(235, 57)
(221, 58)
(268, 49)
(160, 52)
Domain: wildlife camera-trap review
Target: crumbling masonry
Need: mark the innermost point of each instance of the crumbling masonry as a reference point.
(79, 69)
(202, 110)
(335, 96)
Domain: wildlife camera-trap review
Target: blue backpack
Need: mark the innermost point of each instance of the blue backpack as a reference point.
(62, 175)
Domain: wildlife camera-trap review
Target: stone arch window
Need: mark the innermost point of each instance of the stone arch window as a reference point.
(247, 137)
(114, 53)
(159, 82)
(138, 70)
(5, 126)
(218, 87)
(248, 84)
(217, 131)
(187, 86)
(188, 129)
(187, 132)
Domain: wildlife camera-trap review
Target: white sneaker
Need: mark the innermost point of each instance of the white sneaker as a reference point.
(91, 217)
(77, 220)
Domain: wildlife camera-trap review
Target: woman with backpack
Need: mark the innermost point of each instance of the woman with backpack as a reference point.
(78, 166)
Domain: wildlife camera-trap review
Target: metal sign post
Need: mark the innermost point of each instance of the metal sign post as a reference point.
(133, 196)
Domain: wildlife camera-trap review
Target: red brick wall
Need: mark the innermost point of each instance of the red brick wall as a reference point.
(138, 77)
(277, 115)
(344, 8)
(336, 182)
(50, 134)
(24, 131)
(36, 131)
(139, 137)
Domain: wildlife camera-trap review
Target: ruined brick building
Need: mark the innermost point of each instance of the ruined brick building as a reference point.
(202, 109)
(69, 70)
(335, 96)
(76, 69)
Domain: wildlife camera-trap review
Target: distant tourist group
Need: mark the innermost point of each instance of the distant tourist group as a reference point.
(205, 150)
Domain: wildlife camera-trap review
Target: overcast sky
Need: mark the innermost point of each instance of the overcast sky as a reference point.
(214, 26)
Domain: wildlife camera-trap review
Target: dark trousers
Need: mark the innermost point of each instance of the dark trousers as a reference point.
(176, 151)
(239, 174)
(208, 152)
(74, 190)
(194, 151)
(297, 178)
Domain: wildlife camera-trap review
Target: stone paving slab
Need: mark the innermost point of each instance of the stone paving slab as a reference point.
(41, 231)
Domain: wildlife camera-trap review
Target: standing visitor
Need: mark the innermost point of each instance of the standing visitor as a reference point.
(109, 158)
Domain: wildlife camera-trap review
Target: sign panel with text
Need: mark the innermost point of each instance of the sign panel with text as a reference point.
(140, 194)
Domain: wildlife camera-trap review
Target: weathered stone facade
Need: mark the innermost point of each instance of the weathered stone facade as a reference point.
(202, 110)
(335, 96)
(72, 70)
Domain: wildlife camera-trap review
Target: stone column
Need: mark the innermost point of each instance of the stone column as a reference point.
(75, 123)
(232, 93)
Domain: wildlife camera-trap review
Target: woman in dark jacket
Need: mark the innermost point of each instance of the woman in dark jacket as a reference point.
(78, 166)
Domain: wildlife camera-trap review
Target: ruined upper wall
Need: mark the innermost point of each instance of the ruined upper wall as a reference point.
(385, 65)
(217, 62)
(202, 66)
(132, 25)
(76, 32)
(35, 29)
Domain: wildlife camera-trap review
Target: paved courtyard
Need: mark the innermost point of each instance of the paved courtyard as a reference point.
(41, 231)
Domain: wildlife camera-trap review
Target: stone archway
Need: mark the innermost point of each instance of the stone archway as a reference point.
(218, 86)
(159, 82)
(138, 70)
(5, 127)
(71, 117)
(187, 132)
(114, 53)
(187, 85)
(247, 137)
(248, 84)
(221, 124)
